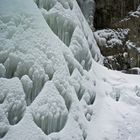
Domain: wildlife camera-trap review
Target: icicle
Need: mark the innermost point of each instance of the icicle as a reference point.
(66, 38)
(11, 64)
(63, 28)
(2, 70)
(52, 110)
(15, 114)
(3, 124)
(27, 86)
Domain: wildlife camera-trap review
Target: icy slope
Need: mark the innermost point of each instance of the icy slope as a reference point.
(116, 107)
(51, 86)
(50, 73)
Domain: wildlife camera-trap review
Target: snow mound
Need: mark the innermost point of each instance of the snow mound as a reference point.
(39, 61)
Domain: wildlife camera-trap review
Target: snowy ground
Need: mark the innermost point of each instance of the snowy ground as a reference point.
(52, 87)
(116, 107)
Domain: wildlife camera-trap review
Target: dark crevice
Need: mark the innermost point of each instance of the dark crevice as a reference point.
(2, 134)
(80, 93)
(2, 99)
(106, 14)
(90, 98)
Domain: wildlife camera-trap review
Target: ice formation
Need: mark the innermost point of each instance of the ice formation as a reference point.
(88, 9)
(43, 64)
(52, 87)
(12, 103)
(50, 113)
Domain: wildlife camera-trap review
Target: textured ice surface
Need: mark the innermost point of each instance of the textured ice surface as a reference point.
(64, 22)
(49, 109)
(43, 65)
(51, 87)
(12, 103)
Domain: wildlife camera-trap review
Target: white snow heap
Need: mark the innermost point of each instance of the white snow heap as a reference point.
(43, 65)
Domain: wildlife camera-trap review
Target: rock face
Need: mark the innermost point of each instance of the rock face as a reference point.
(121, 53)
(132, 22)
(110, 11)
